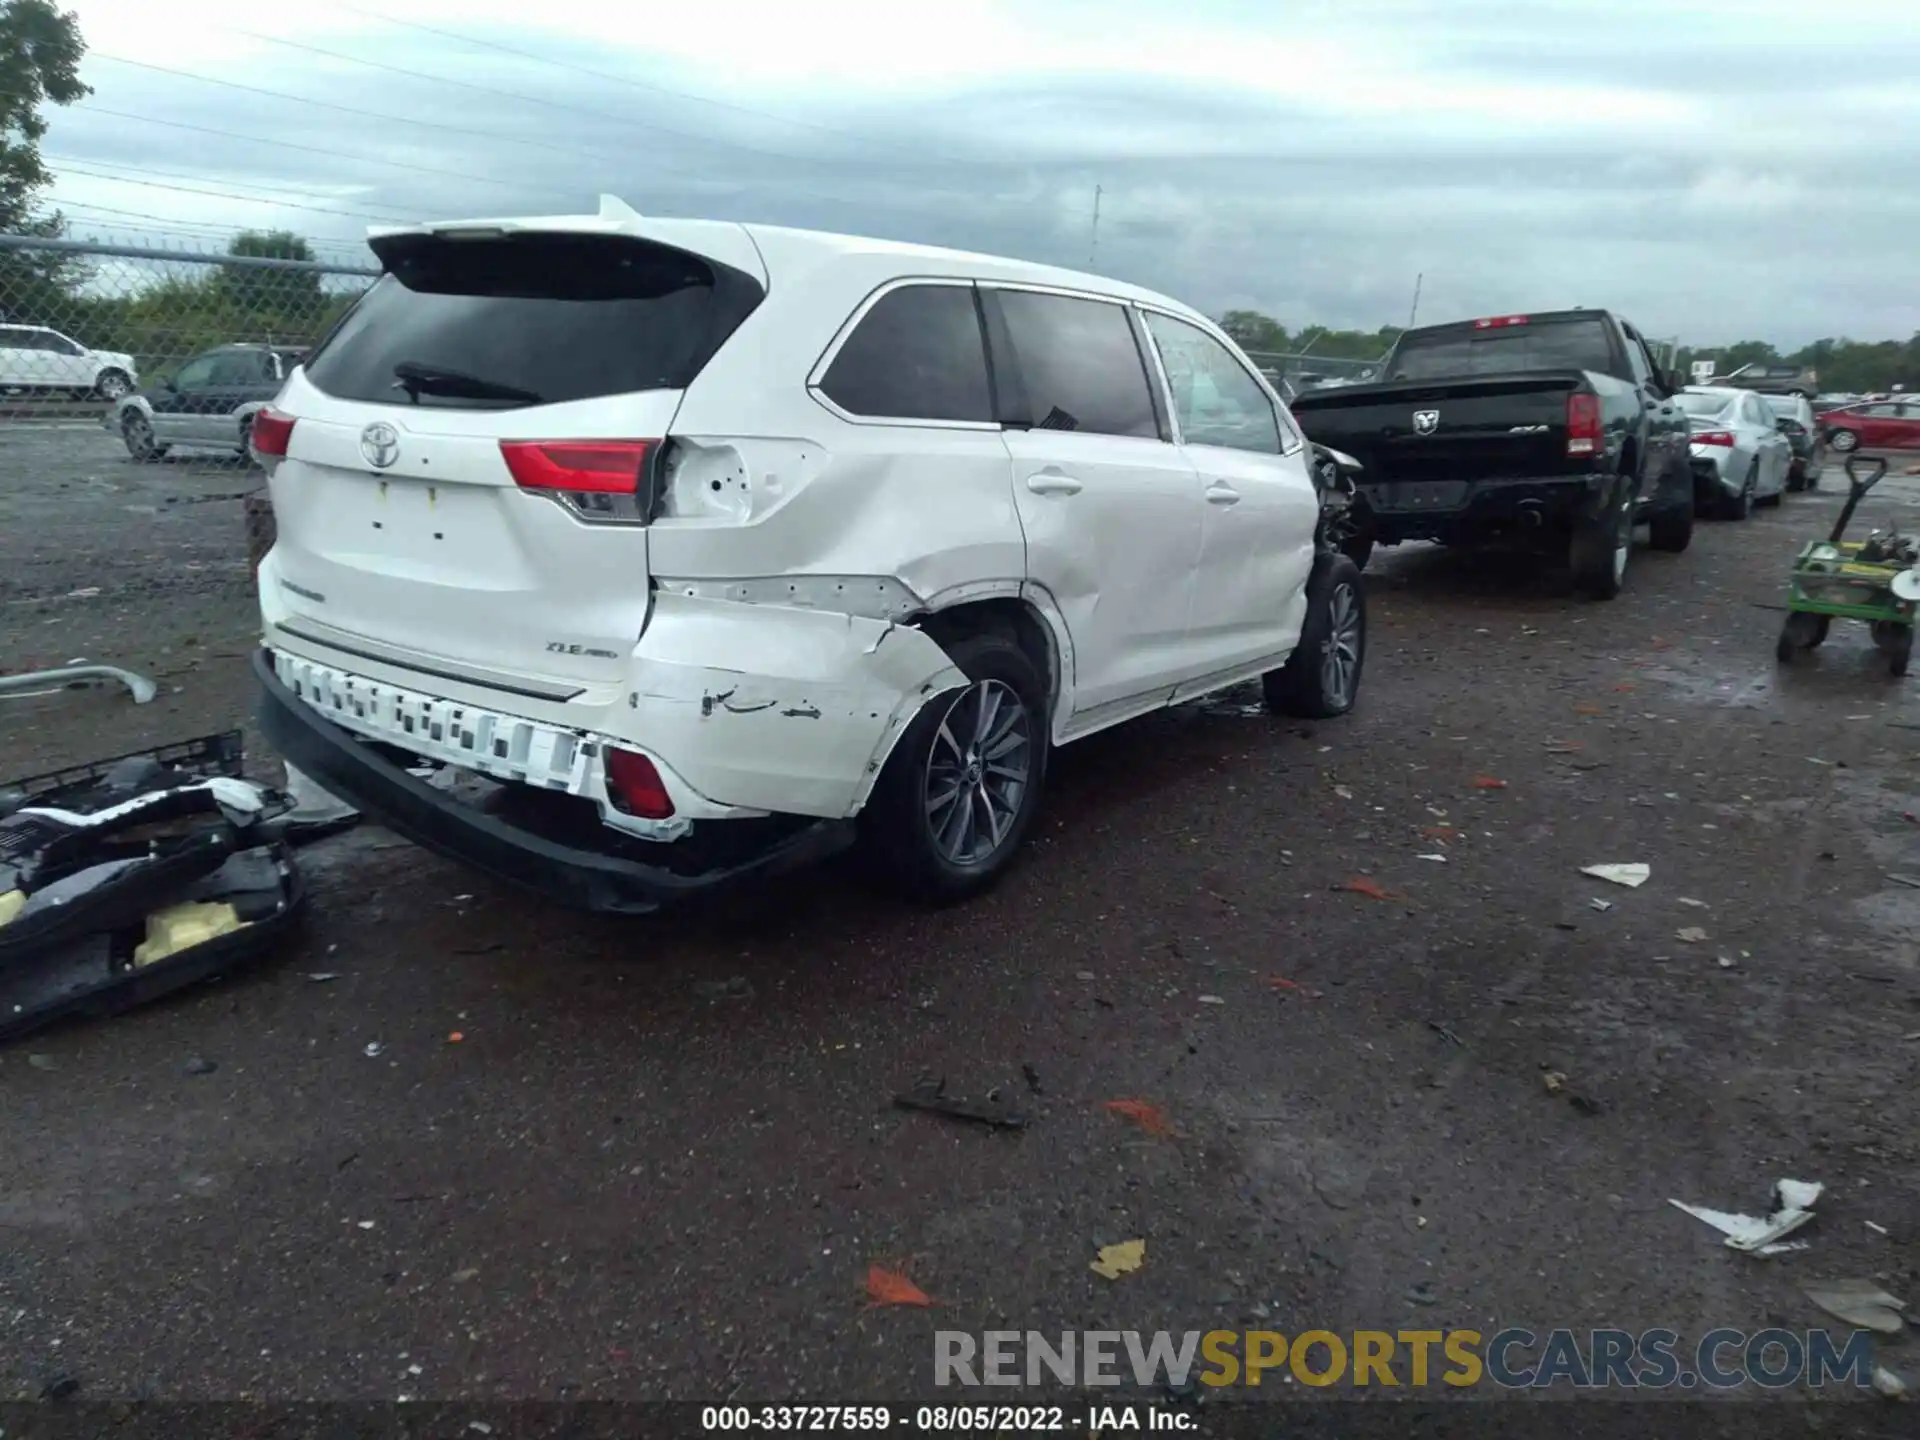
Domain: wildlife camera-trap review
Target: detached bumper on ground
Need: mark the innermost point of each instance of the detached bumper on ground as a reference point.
(576, 876)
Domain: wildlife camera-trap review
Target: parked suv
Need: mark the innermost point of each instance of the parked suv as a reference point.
(693, 550)
(33, 357)
(210, 401)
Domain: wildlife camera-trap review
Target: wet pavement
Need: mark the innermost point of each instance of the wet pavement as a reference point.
(510, 1152)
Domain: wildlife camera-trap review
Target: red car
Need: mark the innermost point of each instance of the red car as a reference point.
(1873, 425)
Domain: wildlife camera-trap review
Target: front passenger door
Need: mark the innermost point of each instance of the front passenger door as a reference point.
(175, 404)
(1110, 509)
(1256, 551)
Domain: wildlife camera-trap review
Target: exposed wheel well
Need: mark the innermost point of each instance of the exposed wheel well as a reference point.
(1015, 619)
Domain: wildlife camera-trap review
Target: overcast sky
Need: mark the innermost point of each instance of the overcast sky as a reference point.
(1716, 171)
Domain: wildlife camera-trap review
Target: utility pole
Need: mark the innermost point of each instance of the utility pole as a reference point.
(1414, 314)
(1093, 249)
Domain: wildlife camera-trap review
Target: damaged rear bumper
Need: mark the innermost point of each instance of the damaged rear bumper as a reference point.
(600, 880)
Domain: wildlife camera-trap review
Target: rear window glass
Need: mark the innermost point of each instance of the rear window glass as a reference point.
(1557, 345)
(530, 320)
(916, 355)
(1079, 365)
(1786, 407)
(1704, 407)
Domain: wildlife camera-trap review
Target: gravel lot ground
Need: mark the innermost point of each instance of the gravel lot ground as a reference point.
(662, 1157)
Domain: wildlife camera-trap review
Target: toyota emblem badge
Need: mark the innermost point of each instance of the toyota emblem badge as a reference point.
(380, 443)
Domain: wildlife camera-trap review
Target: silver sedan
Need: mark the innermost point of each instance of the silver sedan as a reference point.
(1740, 455)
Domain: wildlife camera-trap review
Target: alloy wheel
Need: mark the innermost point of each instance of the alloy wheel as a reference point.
(978, 772)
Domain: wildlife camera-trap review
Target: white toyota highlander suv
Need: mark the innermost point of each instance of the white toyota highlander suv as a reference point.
(689, 550)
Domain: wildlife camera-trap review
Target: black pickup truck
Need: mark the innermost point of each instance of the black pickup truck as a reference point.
(1556, 428)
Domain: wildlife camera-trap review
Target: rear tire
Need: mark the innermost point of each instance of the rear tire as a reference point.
(113, 385)
(1671, 530)
(1740, 506)
(1802, 631)
(1321, 679)
(1845, 441)
(962, 787)
(1601, 548)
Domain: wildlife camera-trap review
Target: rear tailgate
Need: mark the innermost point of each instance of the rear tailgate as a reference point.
(461, 480)
(1426, 443)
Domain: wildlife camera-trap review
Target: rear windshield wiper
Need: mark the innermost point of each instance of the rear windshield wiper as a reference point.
(417, 379)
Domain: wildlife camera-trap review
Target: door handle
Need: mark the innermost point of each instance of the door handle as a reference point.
(1053, 482)
(1222, 494)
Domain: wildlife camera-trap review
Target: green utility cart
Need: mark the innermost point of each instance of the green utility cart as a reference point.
(1853, 580)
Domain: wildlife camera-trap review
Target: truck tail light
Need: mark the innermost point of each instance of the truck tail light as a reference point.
(1499, 322)
(1722, 438)
(635, 786)
(599, 481)
(1583, 424)
(268, 437)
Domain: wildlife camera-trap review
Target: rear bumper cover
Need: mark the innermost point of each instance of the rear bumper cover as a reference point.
(575, 876)
(1457, 509)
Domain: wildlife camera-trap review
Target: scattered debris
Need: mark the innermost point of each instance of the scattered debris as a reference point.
(1860, 1303)
(1690, 934)
(736, 988)
(374, 1049)
(889, 1287)
(1422, 1294)
(1887, 1383)
(1362, 885)
(1032, 1077)
(1280, 982)
(42, 1062)
(323, 977)
(60, 1387)
(1121, 1259)
(1877, 1229)
(932, 1097)
(1585, 1104)
(1906, 880)
(1692, 904)
(1556, 1081)
(1086, 975)
(1726, 962)
(479, 1427)
(365, 1224)
(1601, 905)
(1144, 1113)
(455, 1037)
(1436, 859)
(198, 1065)
(1212, 1000)
(1793, 1202)
(1487, 782)
(1343, 792)
(1631, 876)
(1445, 1034)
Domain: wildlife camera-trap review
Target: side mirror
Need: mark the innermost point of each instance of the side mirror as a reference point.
(1675, 382)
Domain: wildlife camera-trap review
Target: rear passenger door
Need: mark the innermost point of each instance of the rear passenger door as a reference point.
(1260, 504)
(1111, 509)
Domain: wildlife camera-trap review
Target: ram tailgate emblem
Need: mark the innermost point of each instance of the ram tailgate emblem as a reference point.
(1425, 422)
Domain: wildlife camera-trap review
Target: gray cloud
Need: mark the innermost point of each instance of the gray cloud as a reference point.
(1784, 206)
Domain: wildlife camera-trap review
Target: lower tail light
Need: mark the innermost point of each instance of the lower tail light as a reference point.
(1583, 424)
(635, 785)
(1722, 438)
(268, 437)
(600, 481)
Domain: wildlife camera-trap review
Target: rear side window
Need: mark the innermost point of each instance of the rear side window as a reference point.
(1702, 407)
(1554, 345)
(916, 355)
(1217, 401)
(1077, 364)
(503, 321)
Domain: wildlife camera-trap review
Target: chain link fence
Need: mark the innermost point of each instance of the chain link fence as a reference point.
(1313, 372)
(83, 324)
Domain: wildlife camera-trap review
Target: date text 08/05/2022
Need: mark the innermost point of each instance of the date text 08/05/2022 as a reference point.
(933, 1419)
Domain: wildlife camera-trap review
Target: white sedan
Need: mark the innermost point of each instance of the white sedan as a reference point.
(1740, 454)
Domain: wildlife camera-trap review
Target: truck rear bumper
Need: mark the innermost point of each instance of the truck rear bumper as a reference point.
(606, 880)
(1459, 510)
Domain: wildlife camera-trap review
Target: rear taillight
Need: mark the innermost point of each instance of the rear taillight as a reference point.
(635, 786)
(270, 434)
(1583, 424)
(600, 481)
(1723, 438)
(1499, 322)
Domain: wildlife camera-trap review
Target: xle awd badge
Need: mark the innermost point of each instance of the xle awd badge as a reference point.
(380, 444)
(1425, 422)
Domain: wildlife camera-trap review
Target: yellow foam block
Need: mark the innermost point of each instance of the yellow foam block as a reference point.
(11, 904)
(181, 927)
